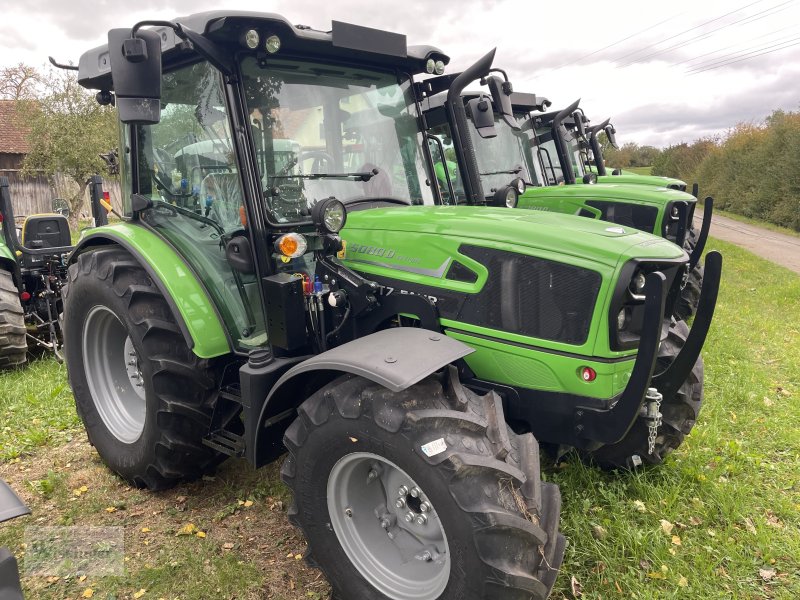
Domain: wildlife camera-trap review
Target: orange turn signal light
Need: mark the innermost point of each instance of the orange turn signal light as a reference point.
(291, 245)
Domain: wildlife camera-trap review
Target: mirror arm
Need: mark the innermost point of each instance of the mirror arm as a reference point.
(200, 44)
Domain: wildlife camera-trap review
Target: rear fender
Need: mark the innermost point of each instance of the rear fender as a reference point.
(191, 305)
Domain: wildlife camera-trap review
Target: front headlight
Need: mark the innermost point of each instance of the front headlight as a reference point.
(329, 215)
(637, 283)
(622, 319)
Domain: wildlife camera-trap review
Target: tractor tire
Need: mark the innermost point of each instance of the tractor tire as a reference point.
(679, 414)
(686, 304)
(13, 347)
(145, 399)
(422, 494)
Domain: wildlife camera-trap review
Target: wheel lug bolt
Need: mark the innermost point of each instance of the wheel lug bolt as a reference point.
(414, 492)
(402, 491)
(385, 523)
(422, 520)
(401, 502)
(425, 507)
(132, 363)
(373, 475)
(348, 512)
(426, 556)
(409, 517)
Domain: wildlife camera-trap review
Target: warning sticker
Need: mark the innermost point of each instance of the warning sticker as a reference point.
(435, 447)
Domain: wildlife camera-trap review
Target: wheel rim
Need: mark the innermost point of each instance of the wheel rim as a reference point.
(113, 375)
(388, 528)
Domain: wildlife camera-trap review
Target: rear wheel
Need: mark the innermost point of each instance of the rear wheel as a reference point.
(144, 397)
(423, 494)
(679, 414)
(13, 348)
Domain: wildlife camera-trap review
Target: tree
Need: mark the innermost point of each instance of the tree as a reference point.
(19, 82)
(68, 131)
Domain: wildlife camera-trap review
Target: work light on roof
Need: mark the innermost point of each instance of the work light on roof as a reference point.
(439, 66)
(252, 39)
(273, 44)
(430, 66)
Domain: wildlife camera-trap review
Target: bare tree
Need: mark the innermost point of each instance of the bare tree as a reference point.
(19, 82)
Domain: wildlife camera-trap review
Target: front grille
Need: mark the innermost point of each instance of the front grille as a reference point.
(639, 217)
(530, 296)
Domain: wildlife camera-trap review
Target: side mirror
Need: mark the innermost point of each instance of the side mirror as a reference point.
(501, 95)
(611, 134)
(590, 178)
(480, 110)
(136, 73)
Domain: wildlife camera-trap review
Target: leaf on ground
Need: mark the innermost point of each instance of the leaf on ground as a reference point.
(111, 509)
(767, 574)
(748, 523)
(201, 534)
(140, 593)
(145, 530)
(87, 593)
(576, 587)
(676, 540)
(666, 526)
(188, 529)
(599, 532)
(248, 503)
(683, 582)
(694, 521)
(227, 546)
(639, 505)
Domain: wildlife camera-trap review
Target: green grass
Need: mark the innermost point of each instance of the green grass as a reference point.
(640, 170)
(730, 495)
(36, 407)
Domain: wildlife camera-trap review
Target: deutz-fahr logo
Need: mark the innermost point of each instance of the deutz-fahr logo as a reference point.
(377, 252)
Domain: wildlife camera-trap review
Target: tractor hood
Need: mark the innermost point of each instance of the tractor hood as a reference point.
(629, 178)
(638, 194)
(403, 232)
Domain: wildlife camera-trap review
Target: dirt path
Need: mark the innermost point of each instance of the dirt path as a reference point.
(777, 247)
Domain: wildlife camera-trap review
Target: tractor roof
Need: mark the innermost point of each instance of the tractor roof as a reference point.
(362, 45)
(520, 101)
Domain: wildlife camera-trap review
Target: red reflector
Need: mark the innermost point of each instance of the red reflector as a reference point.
(106, 196)
(588, 374)
(1, 217)
(25, 296)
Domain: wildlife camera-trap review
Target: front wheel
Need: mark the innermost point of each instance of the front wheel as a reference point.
(686, 304)
(679, 414)
(423, 494)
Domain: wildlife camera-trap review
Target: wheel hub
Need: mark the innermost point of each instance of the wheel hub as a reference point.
(388, 527)
(113, 374)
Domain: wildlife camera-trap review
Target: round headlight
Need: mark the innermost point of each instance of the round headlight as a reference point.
(329, 215)
(506, 196)
(439, 67)
(638, 282)
(622, 318)
(291, 245)
(430, 65)
(675, 213)
(252, 39)
(273, 44)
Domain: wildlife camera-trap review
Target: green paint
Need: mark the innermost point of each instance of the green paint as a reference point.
(415, 245)
(630, 178)
(194, 305)
(6, 256)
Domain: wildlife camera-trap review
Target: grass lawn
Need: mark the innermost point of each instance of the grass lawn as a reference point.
(640, 170)
(721, 519)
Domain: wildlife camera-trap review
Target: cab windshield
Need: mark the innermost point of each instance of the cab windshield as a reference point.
(328, 130)
(504, 158)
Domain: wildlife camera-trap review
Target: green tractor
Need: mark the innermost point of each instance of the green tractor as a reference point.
(510, 163)
(590, 153)
(33, 270)
(405, 353)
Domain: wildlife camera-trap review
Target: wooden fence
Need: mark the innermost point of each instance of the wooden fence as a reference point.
(33, 195)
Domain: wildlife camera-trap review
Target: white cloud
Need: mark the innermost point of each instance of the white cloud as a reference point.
(654, 101)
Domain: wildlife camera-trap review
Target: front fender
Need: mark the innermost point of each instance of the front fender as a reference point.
(190, 303)
(395, 358)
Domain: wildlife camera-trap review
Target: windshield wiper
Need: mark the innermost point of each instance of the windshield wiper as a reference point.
(515, 171)
(357, 176)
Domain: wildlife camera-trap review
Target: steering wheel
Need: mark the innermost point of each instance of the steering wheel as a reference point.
(320, 158)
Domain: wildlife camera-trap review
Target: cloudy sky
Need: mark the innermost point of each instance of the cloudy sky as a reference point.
(665, 72)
